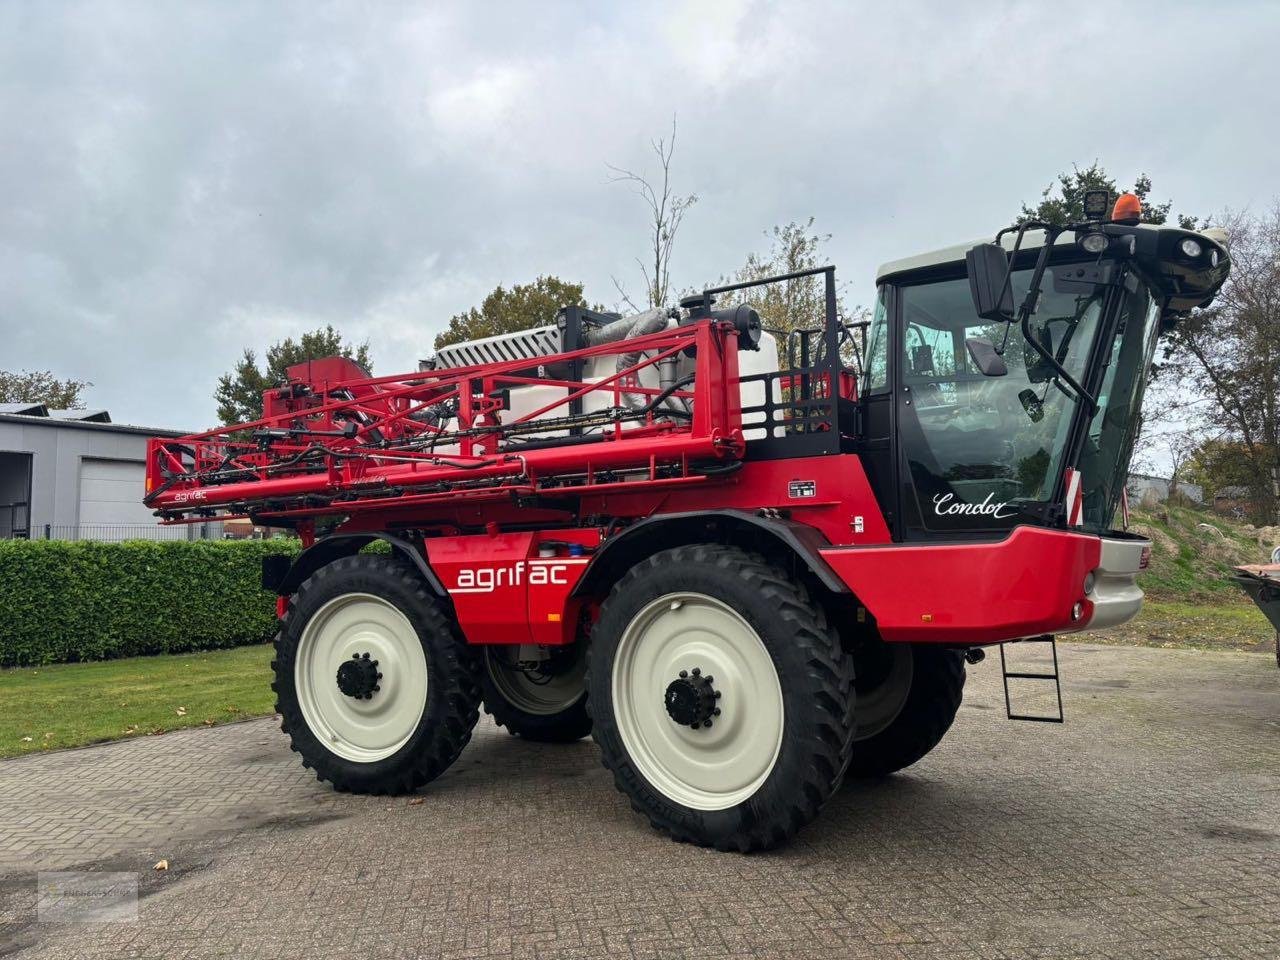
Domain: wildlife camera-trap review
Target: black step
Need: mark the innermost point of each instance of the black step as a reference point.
(1008, 675)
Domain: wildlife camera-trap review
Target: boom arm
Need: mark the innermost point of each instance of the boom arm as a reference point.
(341, 446)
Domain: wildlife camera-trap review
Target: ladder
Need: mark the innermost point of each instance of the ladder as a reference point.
(1021, 675)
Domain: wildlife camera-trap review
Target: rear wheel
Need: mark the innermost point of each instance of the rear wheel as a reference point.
(722, 700)
(543, 699)
(908, 696)
(374, 685)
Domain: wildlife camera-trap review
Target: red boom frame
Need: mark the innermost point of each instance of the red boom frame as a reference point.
(221, 473)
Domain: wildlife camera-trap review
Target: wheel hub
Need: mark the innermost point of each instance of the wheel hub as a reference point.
(691, 699)
(358, 677)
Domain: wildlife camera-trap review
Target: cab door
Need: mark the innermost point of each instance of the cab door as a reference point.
(876, 447)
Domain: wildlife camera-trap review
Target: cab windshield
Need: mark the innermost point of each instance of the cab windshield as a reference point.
(984, 453)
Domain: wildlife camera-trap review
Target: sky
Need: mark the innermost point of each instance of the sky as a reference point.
(181, 181)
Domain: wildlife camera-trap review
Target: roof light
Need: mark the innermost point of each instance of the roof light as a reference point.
(1191, 248)
(1096, 203)
(1094, 242)
(1128, 209)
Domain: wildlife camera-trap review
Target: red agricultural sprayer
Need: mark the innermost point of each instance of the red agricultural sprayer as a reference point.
(749, 562)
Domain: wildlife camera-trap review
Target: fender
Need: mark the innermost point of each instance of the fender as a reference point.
(284, 578)
(621, 552)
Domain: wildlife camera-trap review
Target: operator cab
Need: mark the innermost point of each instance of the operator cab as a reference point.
(974, 424)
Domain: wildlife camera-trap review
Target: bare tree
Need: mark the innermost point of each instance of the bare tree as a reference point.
(1230, 352)
(666, 211)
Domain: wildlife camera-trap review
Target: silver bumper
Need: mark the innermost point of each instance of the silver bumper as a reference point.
(1115, 593)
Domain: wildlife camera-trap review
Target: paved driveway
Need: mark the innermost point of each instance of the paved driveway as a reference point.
(1148, 826)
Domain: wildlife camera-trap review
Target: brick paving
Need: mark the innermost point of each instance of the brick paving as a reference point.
(1147, 826)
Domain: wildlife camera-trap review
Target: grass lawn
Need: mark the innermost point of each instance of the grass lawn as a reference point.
(1169, 623)
(68, 705)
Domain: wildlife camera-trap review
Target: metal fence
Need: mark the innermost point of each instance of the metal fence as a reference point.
(115, 532)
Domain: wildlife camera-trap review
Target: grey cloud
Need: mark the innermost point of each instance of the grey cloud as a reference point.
(180, 181)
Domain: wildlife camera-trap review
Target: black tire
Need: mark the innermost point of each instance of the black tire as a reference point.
(453, 689)
(562, 726)
(937, 688)
(815, 677)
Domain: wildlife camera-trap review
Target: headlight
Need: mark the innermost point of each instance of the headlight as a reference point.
(1191, 248)
(1094, 242)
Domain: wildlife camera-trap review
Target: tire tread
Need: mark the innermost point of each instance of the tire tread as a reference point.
(828, 671)
(453, 683)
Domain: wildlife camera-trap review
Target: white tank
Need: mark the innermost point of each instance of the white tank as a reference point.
(545, 341)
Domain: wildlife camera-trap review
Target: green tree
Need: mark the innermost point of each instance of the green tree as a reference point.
(1217, 463)
(1063, 200)
(523, 307)
(41, 386)
(239, 393)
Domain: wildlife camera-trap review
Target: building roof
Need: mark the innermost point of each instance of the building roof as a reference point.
(30, 409)
(92, 416)
(100, 420)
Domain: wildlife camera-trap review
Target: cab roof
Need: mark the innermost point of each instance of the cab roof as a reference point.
(1033, 240)
(1186, 282)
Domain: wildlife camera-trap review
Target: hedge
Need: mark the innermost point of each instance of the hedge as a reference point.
(69, 601)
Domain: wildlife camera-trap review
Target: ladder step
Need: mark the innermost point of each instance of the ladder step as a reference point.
(1008, 675)
(1027, 716)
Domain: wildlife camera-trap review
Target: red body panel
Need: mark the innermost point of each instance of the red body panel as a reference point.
(504, 591)
(973, 593)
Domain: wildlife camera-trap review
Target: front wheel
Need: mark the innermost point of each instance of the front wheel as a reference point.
(722, 700)
(908, 695)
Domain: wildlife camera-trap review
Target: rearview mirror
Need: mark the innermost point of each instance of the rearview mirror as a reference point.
(988, 267)
(985, 358)
(1032, 404)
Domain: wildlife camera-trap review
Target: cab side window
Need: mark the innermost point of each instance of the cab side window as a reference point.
(876, 375)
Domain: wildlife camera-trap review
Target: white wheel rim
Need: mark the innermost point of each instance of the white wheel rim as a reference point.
(560, 691)
(881, 705)
(363, 731)
(708, 768)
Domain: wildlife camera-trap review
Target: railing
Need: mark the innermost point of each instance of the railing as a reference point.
(115, 532)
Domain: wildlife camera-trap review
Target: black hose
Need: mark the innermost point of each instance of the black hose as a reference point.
(665, 393)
